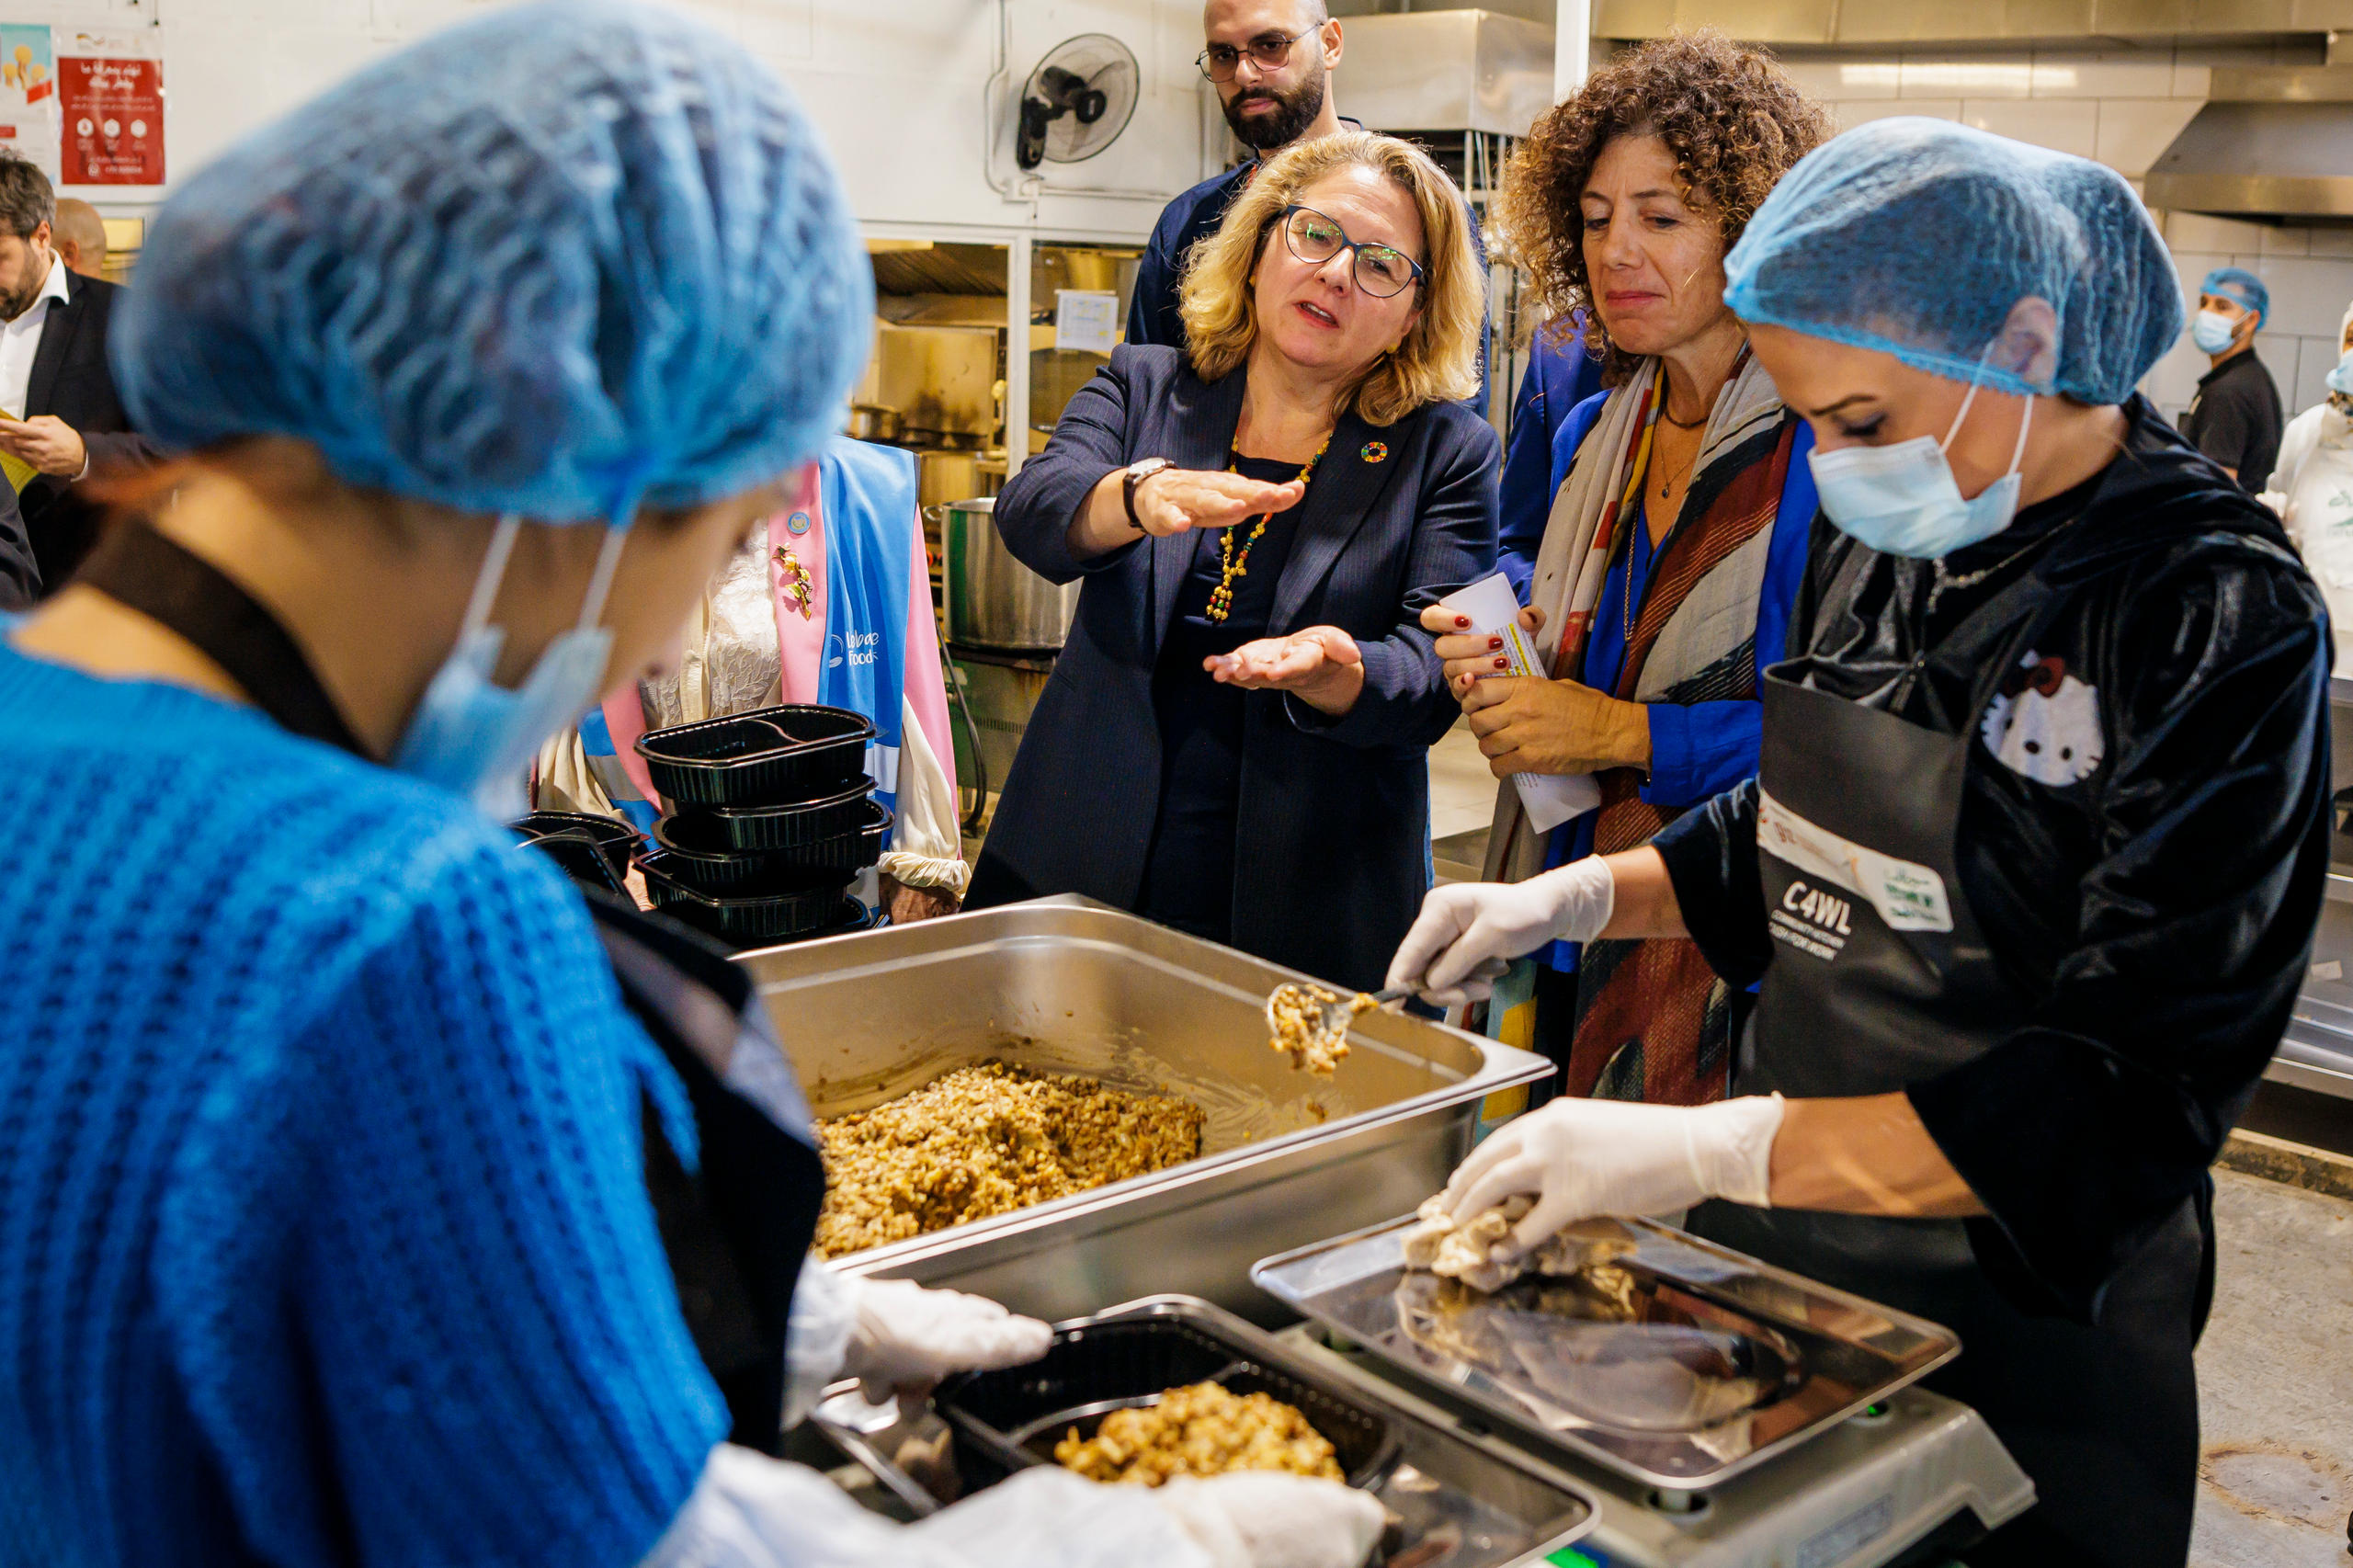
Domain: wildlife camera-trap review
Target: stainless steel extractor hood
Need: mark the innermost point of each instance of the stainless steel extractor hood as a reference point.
(2271, 143)
(1969, 21)
(1467, 69)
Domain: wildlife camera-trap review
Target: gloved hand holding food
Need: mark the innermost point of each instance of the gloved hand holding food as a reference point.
(1578, 1158)
(1467, 927)
(907, 1338)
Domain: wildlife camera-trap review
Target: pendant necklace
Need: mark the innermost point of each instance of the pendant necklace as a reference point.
(1235, 564)
(1943, 577)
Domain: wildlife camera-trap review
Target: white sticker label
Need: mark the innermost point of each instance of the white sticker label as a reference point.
(1908, 896)
(1087, 320)
(2328, 969)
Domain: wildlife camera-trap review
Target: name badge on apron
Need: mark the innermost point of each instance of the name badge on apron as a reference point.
(1908, 896)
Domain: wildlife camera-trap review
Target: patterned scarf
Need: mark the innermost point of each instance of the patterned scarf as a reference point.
(1653, 1023)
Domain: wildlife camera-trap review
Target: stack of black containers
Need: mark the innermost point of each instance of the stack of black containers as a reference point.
(772, 818)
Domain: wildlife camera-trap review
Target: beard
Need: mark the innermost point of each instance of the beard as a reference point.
(1294, 111)
(17, 301)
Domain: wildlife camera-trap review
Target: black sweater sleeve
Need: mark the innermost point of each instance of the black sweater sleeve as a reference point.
(1711, 855)
(2083, 1131)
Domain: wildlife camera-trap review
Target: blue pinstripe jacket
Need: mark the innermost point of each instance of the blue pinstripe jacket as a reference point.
(1334, 821)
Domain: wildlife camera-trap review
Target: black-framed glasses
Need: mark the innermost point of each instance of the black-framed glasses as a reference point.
(1381, 271)
(1270, 52)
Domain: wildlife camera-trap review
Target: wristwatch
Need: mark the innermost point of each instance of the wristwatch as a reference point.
(1137, 473)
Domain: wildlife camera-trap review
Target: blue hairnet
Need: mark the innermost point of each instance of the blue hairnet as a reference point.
(1916, 237)
(567, 259)
(2240, 284)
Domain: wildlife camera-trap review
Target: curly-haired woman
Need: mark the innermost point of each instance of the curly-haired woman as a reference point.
(1233, 741)
(1660, 576)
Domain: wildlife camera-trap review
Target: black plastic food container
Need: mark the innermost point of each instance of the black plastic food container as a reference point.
(577, 855)
(809, 904)
(1018, 1414)
(613, 838)
(770, 756)
(701, 855)
(794, 828)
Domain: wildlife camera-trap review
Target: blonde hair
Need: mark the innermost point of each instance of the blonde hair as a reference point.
(1438, 361)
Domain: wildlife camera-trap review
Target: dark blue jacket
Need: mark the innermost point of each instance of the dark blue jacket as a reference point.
(1559, 377)
(20, 578)
(1334, 821)
(1185, 222)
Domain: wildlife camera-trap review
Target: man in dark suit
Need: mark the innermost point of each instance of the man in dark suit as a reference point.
(20, 578)
(59, 414)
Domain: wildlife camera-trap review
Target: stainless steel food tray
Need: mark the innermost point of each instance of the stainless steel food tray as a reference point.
(1457, 1499)
(1850, 1353)
(1067, 985)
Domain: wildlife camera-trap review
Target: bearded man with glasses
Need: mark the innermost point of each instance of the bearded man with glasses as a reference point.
(1271, 63)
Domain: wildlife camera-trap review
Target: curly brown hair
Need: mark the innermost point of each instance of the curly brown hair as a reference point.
(1734, 122)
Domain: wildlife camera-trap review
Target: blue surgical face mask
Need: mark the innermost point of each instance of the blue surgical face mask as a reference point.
(2340, 380)
(1902, 500)
(2212, 332)
(474, 736)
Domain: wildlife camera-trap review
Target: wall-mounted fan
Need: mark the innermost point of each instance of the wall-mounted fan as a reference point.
(1076, 102)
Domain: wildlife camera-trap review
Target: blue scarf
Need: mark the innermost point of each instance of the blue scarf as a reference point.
(869, 495)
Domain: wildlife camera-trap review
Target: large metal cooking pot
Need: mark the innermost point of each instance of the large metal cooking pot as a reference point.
(873, 422)
(994, 601)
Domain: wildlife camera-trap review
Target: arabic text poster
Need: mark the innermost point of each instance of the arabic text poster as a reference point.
(113, 110)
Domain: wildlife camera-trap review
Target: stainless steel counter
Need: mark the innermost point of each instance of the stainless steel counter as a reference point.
(1067, 985)
(2318, 1050)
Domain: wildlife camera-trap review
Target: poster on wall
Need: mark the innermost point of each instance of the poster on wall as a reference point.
(28, 94)
(110, 101)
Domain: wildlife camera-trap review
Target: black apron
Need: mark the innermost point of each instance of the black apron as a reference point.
(1883, 978)
(737, 1230)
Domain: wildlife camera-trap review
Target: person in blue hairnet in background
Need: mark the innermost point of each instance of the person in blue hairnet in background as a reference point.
(2235, 418)
(365, 1195)
(2032, 866)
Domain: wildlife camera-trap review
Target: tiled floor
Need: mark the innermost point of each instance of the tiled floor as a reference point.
(2275, 1384)
(1462, 793)
(1463, 800)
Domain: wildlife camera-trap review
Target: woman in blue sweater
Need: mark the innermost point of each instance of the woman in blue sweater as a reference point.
(342, 1148)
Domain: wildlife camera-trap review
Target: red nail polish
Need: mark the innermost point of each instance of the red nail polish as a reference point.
(1502, 664)
(1462, 620)
(1495, 643)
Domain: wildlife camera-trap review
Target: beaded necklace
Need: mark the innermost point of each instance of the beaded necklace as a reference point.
(1235, 564)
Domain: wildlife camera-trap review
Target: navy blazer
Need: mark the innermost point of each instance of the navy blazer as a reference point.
(1333, 830)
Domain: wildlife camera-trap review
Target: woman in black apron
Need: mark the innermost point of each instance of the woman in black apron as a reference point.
(2032, 862)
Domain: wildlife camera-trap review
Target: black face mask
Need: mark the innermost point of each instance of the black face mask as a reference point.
(1294, 111)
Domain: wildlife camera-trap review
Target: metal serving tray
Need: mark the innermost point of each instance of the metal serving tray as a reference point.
(1833, 1353)
(1068, 985)
(1457, 1499)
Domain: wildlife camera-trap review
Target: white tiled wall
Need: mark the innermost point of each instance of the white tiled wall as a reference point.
(2122, 106)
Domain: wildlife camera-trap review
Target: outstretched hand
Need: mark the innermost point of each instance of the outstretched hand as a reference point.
(1178, 499)
(1321, 667)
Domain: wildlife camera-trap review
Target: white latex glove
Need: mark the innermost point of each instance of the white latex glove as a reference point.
(1465, 931)
(1580, 1158)
(907, 1338)
(1263, 1519)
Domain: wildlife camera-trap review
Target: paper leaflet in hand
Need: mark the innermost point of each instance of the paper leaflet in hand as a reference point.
(1549, 799)
(17, 472)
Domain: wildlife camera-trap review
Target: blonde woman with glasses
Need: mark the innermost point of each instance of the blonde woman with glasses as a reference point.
(1233, 742)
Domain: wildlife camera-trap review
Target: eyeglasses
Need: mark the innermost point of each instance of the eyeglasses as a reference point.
(1381, 271)
(1272, 52)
